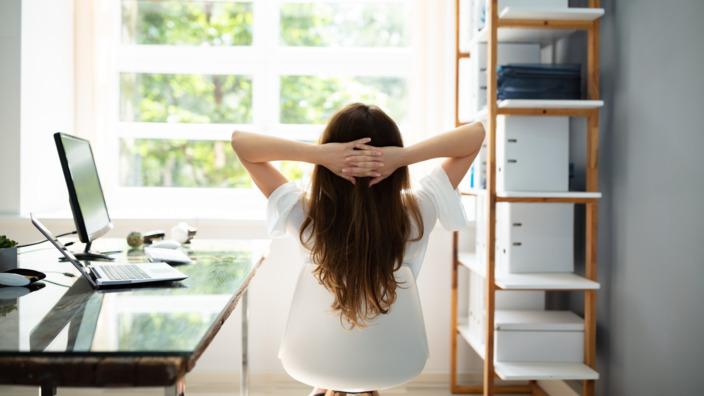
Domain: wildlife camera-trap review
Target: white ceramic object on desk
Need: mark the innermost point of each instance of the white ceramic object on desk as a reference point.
(8, 259)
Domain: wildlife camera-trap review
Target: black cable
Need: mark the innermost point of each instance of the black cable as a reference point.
(46, 240)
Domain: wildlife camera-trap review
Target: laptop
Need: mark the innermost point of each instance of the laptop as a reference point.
(99, 274)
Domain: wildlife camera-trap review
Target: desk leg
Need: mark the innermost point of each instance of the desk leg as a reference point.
(177, 389)
(244, 381)
(47, 390)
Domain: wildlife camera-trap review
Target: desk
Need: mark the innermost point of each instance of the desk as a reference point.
(68, 334)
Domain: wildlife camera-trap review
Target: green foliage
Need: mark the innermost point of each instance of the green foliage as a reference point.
(162, 331)
(344, 25)
(296, 170)
(185, 98)
(228, 99)
(181, 163)
(314, 99)
(193, 23)
(215, 274)
(6, 243)
(7, 309)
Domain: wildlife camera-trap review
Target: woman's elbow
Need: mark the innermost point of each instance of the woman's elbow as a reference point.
(234, 140)
(480, 131)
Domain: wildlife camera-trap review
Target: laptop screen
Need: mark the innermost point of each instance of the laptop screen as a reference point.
(60, 246)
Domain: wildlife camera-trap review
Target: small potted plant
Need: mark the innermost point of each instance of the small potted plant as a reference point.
(8, 253)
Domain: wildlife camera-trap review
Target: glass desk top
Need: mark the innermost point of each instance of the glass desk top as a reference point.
(65, 317)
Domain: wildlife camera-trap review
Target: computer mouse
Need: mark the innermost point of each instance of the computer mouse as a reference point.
(166, 244)
(9, 279)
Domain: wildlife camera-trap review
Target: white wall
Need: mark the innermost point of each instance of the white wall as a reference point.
(9, 106)
(36, 100)
(47, 100)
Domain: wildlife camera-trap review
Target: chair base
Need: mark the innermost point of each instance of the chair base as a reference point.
(338, 393)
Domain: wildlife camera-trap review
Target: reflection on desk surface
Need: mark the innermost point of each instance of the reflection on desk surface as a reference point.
(169, 318)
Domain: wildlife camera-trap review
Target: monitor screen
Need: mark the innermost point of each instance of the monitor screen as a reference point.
(90, 213)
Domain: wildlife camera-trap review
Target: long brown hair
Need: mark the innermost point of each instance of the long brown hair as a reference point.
(357, 234)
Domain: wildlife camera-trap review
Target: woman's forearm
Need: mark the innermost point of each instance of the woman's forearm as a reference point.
(255, 148)
(460, 142)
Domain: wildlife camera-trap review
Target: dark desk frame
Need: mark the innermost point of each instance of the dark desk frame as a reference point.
(50, 372)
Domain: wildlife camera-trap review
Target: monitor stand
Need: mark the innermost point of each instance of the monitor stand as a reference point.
(87, 255)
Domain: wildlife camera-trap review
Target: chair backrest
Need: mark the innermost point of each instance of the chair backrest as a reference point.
(318, 351)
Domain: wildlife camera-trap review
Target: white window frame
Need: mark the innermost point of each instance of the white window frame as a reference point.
(266, 62)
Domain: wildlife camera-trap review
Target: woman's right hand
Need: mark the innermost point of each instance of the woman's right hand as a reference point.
(349, 160)
(391, 158)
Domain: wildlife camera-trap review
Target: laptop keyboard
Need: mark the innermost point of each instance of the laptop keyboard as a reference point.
(124, 272)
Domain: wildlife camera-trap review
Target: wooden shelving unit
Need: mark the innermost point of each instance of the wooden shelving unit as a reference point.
(544, 26)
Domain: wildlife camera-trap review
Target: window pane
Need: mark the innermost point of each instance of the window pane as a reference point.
(296, 170)
(180, 163)
(176, 331)
(185, 98)
(345, 25)
(183, 22)
(314, 99)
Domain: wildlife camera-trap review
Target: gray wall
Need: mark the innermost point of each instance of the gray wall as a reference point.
(650, 336)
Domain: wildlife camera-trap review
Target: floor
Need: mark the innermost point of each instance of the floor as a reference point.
(261, 385)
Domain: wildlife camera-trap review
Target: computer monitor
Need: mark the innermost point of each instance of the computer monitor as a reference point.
(90, 213)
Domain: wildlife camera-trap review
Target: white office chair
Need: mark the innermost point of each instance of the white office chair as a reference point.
(318, 351)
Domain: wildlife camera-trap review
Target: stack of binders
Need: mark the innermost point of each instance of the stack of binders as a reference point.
(539, 81)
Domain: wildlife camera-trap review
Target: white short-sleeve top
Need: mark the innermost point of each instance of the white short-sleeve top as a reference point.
(436, 199)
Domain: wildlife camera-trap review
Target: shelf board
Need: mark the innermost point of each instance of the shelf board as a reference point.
(528, 370)
(547, 196)
(538, 196)
(531, 281)
(539, 25)
(544, 281)
(549, 104)
(474, 192)
(539, 36)
(474, 342)
(552, 107)
(469, 260)
(544, 371)
(552, 13)
(537, 320)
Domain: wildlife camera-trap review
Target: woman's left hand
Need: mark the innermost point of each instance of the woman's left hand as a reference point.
(389, 159)
(348, 162)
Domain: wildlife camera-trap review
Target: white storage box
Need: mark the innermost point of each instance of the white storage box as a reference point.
(538, 336)
(476, 99)
(481, 225)
(532, 153)
(479, 8)
(533, 300)
(464, 75)
(534, 237)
